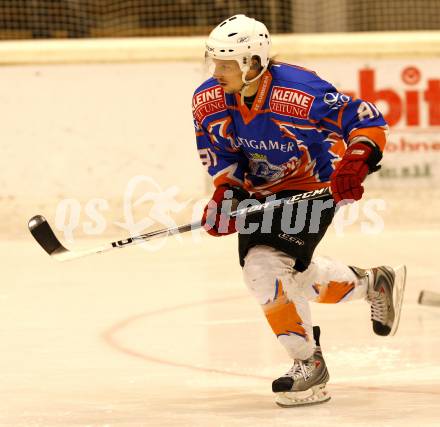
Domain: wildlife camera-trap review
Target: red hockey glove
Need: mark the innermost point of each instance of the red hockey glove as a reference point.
(360, 159)
(216, 220)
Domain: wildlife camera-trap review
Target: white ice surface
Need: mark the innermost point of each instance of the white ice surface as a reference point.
(172, 338)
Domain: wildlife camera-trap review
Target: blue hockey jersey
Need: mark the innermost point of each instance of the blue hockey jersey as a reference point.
(291, 138)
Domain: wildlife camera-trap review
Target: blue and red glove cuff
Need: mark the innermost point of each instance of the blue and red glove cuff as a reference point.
(366, 150)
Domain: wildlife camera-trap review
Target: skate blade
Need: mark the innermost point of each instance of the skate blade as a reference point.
(429, 298)
(398, 292)
(315, 395)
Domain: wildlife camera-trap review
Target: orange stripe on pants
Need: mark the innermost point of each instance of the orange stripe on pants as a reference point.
(333, 292)
(282, 315)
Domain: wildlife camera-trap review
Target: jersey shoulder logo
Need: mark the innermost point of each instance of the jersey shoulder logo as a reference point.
(207, 102)
(291, 102)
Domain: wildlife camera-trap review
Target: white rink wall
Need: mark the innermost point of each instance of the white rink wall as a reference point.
(83, 131)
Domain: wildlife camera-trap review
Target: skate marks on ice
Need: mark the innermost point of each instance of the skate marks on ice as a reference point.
(202, 352)
(379, 372)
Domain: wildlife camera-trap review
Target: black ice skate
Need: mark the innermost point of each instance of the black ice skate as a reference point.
(305, 383)
(385, 294)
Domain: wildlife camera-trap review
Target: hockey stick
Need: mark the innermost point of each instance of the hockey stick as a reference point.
(47, 239)
(44, 235)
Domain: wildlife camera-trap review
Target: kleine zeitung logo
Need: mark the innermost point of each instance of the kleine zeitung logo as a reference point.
(207, 102)
(291, 102)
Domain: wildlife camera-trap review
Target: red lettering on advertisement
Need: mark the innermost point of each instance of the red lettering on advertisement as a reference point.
(369, 93)
(432, 96)
(403, 145)
(406, 106)
(411, 75)
(412, 108)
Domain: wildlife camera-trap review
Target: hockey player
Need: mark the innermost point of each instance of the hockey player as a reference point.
(272, 129)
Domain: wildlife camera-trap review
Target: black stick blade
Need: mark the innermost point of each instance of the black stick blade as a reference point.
(44, 235)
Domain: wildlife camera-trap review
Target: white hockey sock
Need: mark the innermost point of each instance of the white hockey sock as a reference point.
(269, 276)
(284, 293)
(329, 281)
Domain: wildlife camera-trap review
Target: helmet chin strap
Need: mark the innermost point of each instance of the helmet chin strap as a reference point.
(246, 83)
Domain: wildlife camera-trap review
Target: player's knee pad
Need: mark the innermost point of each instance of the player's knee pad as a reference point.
(263, 267)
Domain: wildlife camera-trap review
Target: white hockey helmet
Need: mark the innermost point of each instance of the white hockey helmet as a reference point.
(240, 38)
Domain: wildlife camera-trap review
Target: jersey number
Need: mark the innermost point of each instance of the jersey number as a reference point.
(208, 157)
(366, 110)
